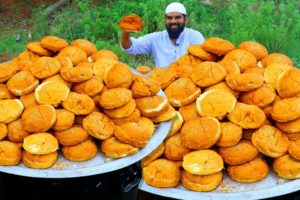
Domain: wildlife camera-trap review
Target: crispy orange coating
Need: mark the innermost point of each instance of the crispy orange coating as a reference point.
(208, 73)
(72, 136)
(144, 86)
(270, 141)
(114, 98)
(152, 106)
(79, 104)
(53, 43)
(88, 47)
(287, 167)
(23, 82)
(10, 153)
(217, 46)
(99, 125)
(39, 161)
(38, 118)
(118, 75)
(200, 133)
(80, 152)
(135, 134)
(114, 148)
(231, 134)
(163, 77)
(40, 143)
(247, 116)
(162, 173)
(238, 154)
(182, 92)
(131, 22)
(10, 110)
(242, 58)
(288, 83)
(286, 110)
(16, 132)
(249, 172)
(7, 70)
(257, 49)
(201, 183)
(261, 97)
(276, 58)
(76, 54)
(37, 48)
(174, 150)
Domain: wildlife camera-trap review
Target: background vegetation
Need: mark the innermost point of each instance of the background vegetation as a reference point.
(273, 23)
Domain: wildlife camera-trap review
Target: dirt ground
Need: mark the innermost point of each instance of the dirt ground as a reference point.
(13, 16)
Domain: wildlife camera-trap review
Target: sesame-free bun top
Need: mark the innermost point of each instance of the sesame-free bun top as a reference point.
(238, 154)
(114, 148)
(200, 133)
(38, 118)
(276, 58)
(10, 153)
(37, 48)
(182, 92)
(287, 167)
(288, 83)
(208, 73)
(144, 86)
(40, 143)
(114, 98)
(88, 47)
(118, 75)
(270, 141)
(242, 58)
(79, 104)
(53, 43)
(217, 46)
(215, 103)
(203, 162)
(261, 97)
(76, 54)
(249, 172)
(198, 51)
(99, 125)
(257, 49)
(131, 22)
(45, 67)
(247, 116)
(273, 71)
(10, 110)
(162, 173)
(51, 93)
(152, 106)
(23, 82)
(286, 110)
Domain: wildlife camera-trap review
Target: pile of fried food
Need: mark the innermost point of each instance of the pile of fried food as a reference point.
(237, 112)
(74, 99)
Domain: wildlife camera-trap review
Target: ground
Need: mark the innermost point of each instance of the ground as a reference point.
(14, 15)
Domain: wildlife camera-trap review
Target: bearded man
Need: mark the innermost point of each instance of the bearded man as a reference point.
(167, 45)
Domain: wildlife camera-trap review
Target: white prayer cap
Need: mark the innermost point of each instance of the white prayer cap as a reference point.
(176, 7)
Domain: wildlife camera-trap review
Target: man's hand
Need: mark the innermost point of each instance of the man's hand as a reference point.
(129, 24)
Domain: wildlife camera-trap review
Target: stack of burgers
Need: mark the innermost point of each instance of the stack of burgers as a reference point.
(73, 99)
(237, 112)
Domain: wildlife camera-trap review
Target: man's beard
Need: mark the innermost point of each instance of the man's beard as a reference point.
(174, 34)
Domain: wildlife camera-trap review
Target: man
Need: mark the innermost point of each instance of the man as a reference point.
(168, 45)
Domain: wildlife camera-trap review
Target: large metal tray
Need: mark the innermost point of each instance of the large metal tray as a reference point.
(98, 165)
(269, 187)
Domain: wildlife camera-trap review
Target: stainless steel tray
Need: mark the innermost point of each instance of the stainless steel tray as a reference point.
(269, 187)
(98, 165)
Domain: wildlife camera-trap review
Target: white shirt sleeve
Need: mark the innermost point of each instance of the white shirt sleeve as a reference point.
(141, 45)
